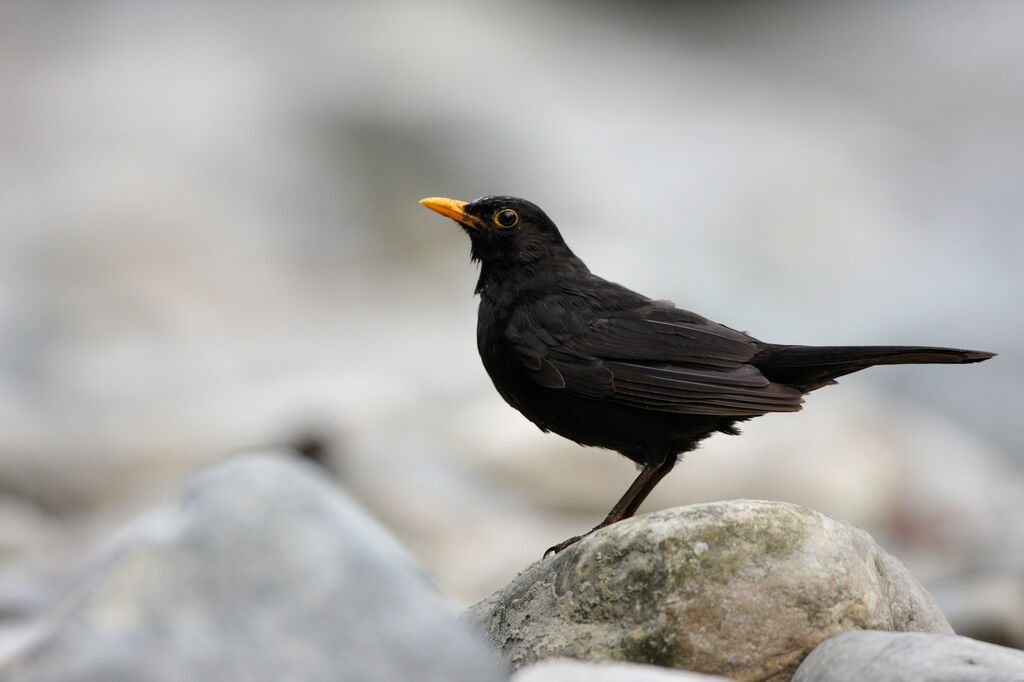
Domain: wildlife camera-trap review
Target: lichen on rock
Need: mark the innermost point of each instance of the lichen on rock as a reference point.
(744, 589)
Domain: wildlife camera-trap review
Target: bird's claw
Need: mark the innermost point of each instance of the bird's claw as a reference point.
(555, 549)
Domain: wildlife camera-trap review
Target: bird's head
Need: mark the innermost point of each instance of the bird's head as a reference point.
(505, 232)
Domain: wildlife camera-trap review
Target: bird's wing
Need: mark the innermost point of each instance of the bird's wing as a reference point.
(653, 356)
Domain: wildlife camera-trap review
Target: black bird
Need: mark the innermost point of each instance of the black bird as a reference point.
(603, 365)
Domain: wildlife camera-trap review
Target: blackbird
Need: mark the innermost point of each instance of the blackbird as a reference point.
(605, 366)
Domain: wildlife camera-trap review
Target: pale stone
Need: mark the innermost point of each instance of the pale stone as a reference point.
(744, 589)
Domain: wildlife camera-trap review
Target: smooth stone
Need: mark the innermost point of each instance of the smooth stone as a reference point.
(744, 589)
(259, 568)
(910, 657)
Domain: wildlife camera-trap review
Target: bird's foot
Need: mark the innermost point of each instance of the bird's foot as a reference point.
(563, 544)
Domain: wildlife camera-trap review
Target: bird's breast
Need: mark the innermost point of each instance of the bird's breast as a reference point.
(491, 340)
(499, 357)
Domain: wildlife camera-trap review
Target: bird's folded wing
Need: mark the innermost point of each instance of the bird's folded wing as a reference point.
(696, 390)
(657, 358)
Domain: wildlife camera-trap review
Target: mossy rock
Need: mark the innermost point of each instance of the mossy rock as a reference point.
(744, 589)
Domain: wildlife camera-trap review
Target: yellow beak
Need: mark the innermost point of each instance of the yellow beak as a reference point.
(450, 208)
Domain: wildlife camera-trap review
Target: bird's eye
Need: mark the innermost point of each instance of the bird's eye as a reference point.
(506, 217)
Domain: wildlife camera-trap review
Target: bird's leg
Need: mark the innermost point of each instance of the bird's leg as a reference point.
(628, 503)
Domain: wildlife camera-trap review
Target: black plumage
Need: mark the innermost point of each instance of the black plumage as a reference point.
(605, 366)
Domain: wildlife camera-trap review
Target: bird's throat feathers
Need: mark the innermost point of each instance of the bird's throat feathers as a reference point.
(505, 282)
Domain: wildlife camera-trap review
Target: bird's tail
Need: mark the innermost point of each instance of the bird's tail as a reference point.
(809, 367)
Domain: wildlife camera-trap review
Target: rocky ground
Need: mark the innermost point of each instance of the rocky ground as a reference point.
(261, 568)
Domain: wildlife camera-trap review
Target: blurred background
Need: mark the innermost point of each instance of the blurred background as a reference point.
(210, 241)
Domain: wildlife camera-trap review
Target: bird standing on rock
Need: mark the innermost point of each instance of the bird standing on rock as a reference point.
(605, 366)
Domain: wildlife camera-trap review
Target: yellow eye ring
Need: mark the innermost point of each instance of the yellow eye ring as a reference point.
(506, 218)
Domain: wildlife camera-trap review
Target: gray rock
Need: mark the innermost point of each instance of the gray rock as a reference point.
(906, 657)
(744, 589)
(259, 569)
(572, 670)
